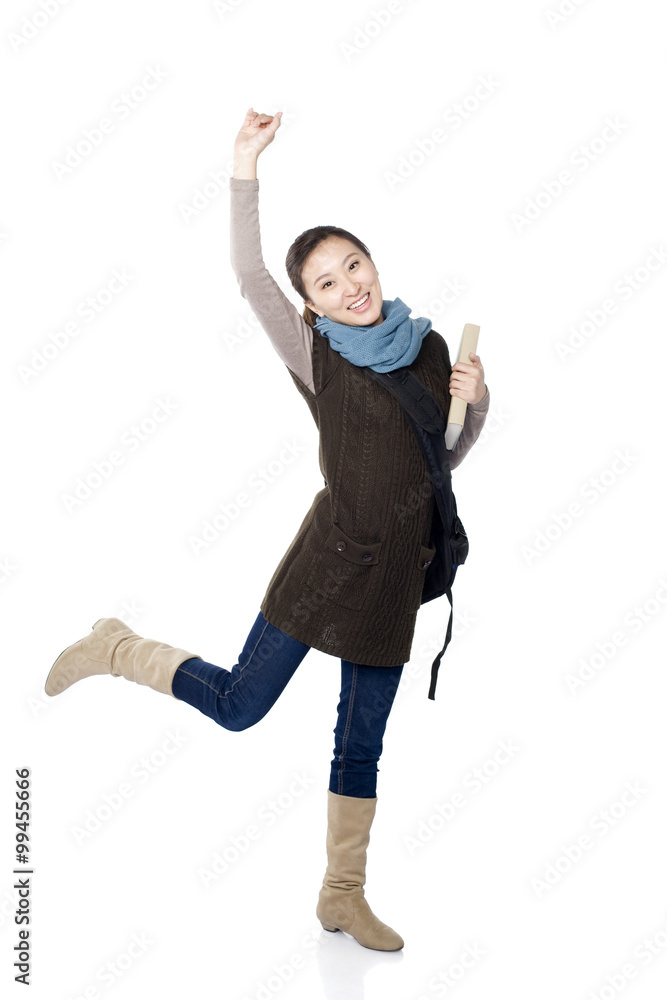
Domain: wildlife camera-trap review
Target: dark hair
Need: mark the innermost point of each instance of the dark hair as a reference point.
(301, 249)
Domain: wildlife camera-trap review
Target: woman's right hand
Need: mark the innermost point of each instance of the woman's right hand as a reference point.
(256, 133)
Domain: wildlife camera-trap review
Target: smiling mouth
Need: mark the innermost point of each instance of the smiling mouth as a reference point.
(359, 302)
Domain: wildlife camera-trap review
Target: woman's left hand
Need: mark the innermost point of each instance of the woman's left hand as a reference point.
(467, 381)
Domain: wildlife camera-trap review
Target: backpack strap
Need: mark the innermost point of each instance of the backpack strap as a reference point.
(428, 423)
(413, 396)
(435, 666)
(433, 447)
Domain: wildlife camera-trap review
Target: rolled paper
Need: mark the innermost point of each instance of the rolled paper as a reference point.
(457, 406)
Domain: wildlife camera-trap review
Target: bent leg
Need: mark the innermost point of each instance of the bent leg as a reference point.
(366, 697)
(238, 698)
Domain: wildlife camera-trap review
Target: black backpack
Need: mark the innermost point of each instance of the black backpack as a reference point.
(448, 535)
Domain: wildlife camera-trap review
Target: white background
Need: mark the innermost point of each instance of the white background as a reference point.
(535, 599)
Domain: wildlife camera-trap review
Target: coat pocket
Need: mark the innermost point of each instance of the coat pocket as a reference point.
(344, 570)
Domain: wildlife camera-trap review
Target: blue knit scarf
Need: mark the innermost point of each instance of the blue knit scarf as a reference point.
(391, 344)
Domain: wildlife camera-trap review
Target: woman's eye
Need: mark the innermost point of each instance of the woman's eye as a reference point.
(351, 265)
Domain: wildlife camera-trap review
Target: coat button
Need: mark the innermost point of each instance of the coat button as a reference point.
(367, 556)
(341, 546)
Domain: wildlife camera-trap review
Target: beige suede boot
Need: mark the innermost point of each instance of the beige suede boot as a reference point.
(113, 648)
(342, 904)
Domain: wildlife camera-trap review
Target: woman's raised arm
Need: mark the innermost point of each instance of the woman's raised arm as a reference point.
(289, 333)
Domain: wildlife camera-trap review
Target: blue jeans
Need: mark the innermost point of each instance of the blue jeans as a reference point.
(239, 698)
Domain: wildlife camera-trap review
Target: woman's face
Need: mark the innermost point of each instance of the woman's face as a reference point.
(342, 283)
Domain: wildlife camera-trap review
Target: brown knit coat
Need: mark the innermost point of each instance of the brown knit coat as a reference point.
(350, 582)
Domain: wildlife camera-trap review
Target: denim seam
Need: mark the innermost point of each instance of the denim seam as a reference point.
(348, 726)
(200, 679)
(206, 683)
(246, 663)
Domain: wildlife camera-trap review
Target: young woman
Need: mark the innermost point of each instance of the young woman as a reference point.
(350, 583)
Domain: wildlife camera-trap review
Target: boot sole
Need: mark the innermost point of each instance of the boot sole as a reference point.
(370, 947)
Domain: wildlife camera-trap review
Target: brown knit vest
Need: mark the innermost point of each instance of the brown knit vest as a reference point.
(350, 582)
